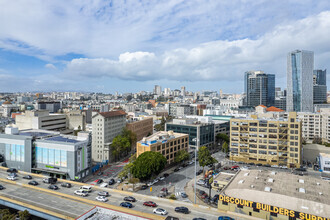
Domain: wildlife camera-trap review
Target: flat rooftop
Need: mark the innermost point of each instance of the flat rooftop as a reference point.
(37, 133)
(282, 189)
(161, 136)
(62, 139)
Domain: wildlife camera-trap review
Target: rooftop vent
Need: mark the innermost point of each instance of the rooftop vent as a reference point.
(252, 186)
(301, 181)
(302, 190)
(273, 173)
(270, 180)
(246, 174)
(257, 177)
(241, 181)
(320, 193)
(318, 184)
(268, 189)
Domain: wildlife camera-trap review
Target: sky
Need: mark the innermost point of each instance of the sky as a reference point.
(130, 46)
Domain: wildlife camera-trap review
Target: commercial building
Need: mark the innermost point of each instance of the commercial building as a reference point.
(47, 152)
(7, 108)
(324, 162)
(275, 142)
(141, 126)
(200, 134)
(166, 143)
(76, 120)
(41, 119)
(51, 106)
(106, 126)
(157, 90)
(277, 195)
(259, 88)
(320, 86)
(300, 66)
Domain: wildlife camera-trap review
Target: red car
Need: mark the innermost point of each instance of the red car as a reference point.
(150, 203)
(234, 167)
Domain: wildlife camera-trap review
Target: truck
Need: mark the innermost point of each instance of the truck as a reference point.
(50, 180)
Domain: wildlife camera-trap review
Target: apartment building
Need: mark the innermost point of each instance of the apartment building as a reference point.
(166, 143)
(41, 119)
(141, 126)
(316, 124)
(106, 126)
(266, 141)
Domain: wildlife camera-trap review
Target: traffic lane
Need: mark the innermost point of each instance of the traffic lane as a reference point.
(47, 201)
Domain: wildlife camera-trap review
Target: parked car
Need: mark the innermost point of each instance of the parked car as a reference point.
(53, 187)
(226, 168)
(112, 181)
(160, 211)
(2, 187)
(126, 205)
(81, 192)
(150, 203)
(201, 182)
(161, 178)
(129, 199)
(251, 164)
(101, 198)
(267, 165)
(184, 195)
(234, 167)
(259, 164)
(99, 181)
(66, 185)
(103, 193)
(13, 178)
(100, 174)
(119, 180)
(182, 209)
(104, 185)
(199, 172)
(12, 170)
(176, 169)
(143, 187)
(225, 218)
(33, 183)
(201, 192)
(199, 218)
(150, 184)
(166, 175)
(28, 177)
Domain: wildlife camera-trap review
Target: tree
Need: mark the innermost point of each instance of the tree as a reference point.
(127, 170)
(120, 145)
(225, 147)
(223, 137)
(133, 181)
(148, 164)
(205, 158)
(132, 158)
(317, 140)
(181, 156)
(24, 215)
(5, 214)
(130, 135)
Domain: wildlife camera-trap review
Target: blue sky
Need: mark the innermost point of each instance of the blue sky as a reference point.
(129, 46)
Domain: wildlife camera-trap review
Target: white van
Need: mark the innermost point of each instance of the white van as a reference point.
(86, 188)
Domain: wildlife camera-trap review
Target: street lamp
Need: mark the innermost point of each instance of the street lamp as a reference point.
(196, 144)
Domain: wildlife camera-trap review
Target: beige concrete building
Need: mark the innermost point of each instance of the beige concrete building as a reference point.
(141, 126)
(41, 119)
(106, 126)
(167, 143)
(76, 120)
(316, 124)
(276, 195)
(266, 141)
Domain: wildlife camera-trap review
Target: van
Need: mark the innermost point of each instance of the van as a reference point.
(86, 188)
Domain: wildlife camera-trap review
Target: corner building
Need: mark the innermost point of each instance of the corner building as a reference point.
(274, 142)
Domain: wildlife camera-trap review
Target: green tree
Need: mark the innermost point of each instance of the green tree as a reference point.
(130, 135)
(24, 215)
(5, 214)
(205, 158)
(181, 156)
(120, 146)
(148, 164)
(132, 158)
(127, 170)
(225, 147)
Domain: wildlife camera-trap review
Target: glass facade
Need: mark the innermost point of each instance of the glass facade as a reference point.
(15, 152)
(51, 156)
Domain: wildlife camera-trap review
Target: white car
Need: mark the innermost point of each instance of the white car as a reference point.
(245, 168)
(13, 178)
(201, 182)
(101, 198)
(160, 211)
(150, 184)
(161, 178)
(104, 185)
(81, 192)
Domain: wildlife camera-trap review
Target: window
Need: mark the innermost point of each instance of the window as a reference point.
(273, 214)
(256, 210)
(224, 203)
(239, 206)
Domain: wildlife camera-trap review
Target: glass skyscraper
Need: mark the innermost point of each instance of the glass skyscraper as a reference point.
(300, 65)
(259, 88)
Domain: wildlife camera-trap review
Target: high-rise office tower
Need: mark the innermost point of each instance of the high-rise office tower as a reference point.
(183, 90)
(259, 88)
(158, 90)
(300, 65)
(320, 86)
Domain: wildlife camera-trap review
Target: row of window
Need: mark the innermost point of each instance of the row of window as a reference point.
(15, 152)
(51, 156)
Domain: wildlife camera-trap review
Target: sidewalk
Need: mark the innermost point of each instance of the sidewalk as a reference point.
(189, 189)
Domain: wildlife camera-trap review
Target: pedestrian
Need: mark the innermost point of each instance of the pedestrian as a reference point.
(122, 189)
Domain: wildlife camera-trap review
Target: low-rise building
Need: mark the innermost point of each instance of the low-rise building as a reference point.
(266, 141)
(47, 152)
(166, 143)
(41, 119)
(324, 162)
(276, 195)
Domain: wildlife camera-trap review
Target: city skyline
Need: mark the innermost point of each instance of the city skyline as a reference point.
(108, 47)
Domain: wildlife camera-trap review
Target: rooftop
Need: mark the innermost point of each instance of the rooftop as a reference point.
(62, 139)
(112, 113)
(161, 136)
(282, 189)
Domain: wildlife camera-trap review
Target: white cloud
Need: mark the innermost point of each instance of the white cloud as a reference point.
(50, 66)
(216, 60)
